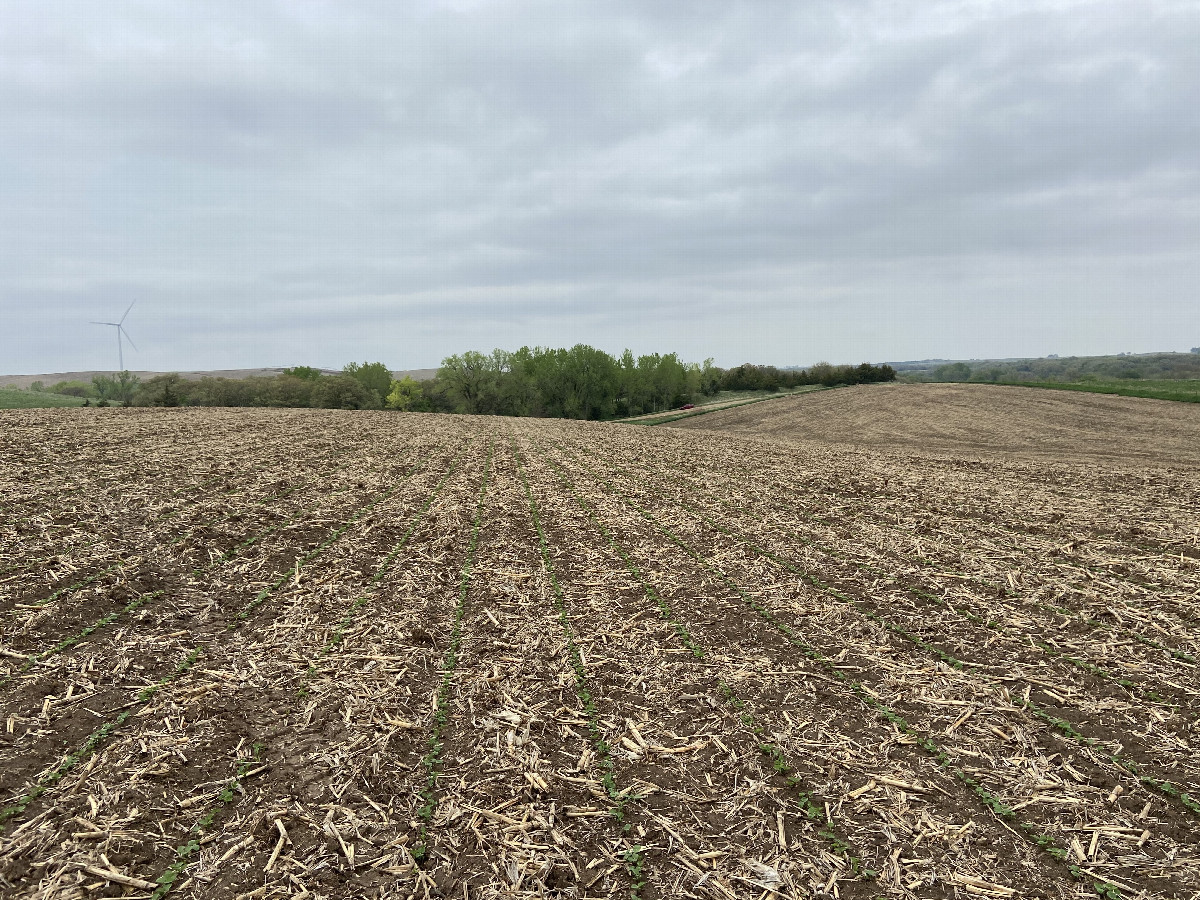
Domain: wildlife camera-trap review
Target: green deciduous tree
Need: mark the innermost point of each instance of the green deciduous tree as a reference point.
(119, 388)
(105, 386)
(405, 395)
(73, 389)
(162, 390)
(373, 376)
(306, 372)
(127, 385)
(345, 392)
(710, 378)
(468, 378)
(958, 371)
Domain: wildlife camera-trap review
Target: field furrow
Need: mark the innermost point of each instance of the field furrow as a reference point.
(255, 654)
(104, 693)
(840, 558)
(875, 653)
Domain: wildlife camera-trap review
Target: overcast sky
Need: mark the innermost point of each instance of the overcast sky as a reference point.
(780, 182)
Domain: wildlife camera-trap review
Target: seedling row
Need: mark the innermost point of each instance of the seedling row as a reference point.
(419, 656)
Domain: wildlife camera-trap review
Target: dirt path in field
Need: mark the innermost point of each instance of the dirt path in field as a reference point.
(976, 419)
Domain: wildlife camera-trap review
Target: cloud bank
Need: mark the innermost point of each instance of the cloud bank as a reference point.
(313, 182)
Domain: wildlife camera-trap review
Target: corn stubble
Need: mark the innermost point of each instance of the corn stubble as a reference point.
(291, 653)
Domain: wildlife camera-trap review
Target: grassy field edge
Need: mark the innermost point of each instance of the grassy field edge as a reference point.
(1183, 391)
(15, 399)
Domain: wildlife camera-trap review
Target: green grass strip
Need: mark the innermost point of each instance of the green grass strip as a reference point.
(432, 761)
(1184, 390)
(94, 742)
(812, 807)
(927, 744)
(633, 857)
(701, 411)
(15, 398)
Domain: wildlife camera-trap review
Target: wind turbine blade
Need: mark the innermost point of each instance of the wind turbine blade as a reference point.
(102, 323)
(128, 338)
(126, 313)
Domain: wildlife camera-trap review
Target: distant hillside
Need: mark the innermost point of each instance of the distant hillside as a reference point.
(24, 381)
(1052, 368)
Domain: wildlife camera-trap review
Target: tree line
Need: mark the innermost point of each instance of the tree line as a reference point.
(579, 382)
(1127, 366)
(585, 383)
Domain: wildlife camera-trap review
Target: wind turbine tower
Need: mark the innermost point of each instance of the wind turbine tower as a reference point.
(120, 326)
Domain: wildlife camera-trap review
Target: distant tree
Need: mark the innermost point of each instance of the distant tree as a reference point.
(710, 378)
(592, 380)
(72, 389)
(344, 392)
(1194, 350)
(516, 390)
(306, 372)
(665, 377)
(434, 398)
(127, 385)
(822, 373)
(405, 394)
(992, 374)
(105, 386)
(119, 387)
(373, 376)
(958, 371)
(466, 377)
(162, 390)
(288, 390)
(40, 386)
(210, 391)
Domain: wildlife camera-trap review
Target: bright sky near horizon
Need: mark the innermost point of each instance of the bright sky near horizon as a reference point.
(318, 182)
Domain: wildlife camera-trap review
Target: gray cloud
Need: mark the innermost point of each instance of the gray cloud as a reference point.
(311, 182)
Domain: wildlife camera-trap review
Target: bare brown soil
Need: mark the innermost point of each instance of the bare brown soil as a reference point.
(269, 653)
(972, 419)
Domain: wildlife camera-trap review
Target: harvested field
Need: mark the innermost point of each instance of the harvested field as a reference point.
(283, 653)
(974, 419)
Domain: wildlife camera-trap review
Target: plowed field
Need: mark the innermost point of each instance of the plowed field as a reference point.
(976, 419)
(315, 654)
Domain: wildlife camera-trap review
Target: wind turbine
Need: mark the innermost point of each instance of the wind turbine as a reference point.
(120, 326)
